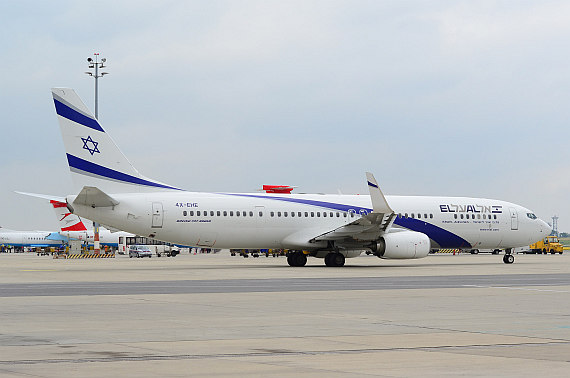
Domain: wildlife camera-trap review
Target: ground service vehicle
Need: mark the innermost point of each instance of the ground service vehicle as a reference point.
(548, 244)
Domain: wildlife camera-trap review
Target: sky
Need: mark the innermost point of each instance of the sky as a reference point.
(451, 98)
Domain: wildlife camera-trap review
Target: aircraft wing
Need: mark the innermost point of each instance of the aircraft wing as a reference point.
(370, 226)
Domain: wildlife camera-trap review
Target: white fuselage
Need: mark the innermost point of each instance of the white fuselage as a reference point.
(228, 220)
(27, 239)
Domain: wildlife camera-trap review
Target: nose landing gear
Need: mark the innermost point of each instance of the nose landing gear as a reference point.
(508, 258)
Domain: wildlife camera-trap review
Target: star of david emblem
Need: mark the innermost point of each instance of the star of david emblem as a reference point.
(87, 147)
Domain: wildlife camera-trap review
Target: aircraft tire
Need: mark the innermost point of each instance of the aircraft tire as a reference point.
(300, 259)
(338, 259)
(508, 259)
(334, 259)
(297, 259)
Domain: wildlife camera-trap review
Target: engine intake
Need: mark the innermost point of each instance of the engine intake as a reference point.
(402, 245)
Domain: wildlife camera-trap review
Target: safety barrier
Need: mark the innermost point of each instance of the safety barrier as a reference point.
(85, 256)
(449, 250)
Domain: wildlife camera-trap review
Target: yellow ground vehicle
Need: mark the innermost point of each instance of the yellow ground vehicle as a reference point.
(548, 244)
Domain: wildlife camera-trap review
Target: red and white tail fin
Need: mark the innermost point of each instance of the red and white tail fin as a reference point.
(67, 220)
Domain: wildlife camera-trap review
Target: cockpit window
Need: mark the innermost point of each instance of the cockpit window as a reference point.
(531, 215)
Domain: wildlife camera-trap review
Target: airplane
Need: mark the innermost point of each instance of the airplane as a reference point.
(38, 239)
(332, 227)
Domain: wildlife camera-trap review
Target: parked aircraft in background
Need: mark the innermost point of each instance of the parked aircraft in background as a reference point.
(332, 227)
(27, 238)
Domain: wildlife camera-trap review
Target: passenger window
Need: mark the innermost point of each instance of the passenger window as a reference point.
(251, 213)
(244, 213)
(431, 216)
(312, 214)
(197, 213)
(344, 214)
(461, 216)
(299, 214)
(272, 214)
(338, 214)
(419, 216)
(495, 217)
(292, 214)
(211, 213)
(425, 216)
(318, 214)
(278, 213)
(285, 213)
(231, 213)
(260, 214)
(306, 214)
(324, 215)
(218, 213)
(225, 213)
(455, 216)
(237, 213)
(184, 213)
(406, 215)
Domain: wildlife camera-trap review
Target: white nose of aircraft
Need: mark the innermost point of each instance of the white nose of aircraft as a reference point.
(545, 228)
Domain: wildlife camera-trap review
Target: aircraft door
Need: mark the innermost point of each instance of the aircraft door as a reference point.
(157, 215)
(514, 219)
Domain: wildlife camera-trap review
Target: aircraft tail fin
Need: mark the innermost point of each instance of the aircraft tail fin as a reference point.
(93, 157)
(67, 220)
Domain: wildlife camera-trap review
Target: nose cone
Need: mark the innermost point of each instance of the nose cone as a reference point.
(545, 228)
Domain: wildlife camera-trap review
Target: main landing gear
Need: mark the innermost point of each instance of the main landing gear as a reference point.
(508, 258)
(296, 258)
(334, 259)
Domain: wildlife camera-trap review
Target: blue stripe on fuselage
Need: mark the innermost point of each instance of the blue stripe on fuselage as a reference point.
(443, 237)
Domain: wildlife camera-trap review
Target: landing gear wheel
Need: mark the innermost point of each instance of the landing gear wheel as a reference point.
(508, 259)
(328, 261)
(338, 259)
(297, 259)
(334, 259)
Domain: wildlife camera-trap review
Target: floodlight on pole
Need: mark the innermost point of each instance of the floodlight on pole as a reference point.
(96, 65)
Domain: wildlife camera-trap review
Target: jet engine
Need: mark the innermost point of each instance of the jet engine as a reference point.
(402, 245)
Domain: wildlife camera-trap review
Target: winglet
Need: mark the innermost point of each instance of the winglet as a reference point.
(379, 203)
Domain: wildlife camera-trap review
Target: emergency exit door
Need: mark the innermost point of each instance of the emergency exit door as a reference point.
(157, 215)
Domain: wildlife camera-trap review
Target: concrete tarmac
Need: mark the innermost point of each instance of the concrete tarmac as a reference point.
(223, 316)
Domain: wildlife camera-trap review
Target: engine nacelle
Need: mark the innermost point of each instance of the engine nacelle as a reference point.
(402, 245)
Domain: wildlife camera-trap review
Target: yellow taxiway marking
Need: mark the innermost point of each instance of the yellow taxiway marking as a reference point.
(37, 270)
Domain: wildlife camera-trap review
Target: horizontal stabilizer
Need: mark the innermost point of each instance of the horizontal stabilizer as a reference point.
(43, 196)
(94, 197)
